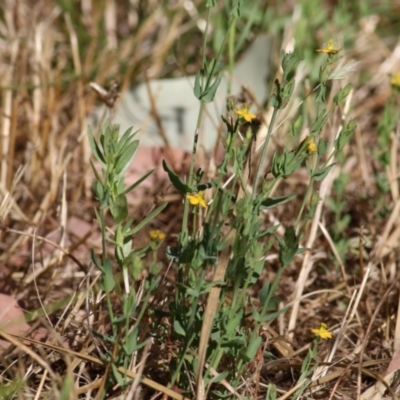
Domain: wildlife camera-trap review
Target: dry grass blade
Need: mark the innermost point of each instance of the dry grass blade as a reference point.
(17, 340)
(209, 313)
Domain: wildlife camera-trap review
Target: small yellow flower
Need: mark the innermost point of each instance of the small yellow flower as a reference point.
(322, 332)
(197, 199)
(157, 235)
(395, 81)
(311, 146)
(244, 113)
(330, 48)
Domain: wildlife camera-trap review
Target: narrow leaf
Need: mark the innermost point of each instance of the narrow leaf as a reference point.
(178, 328)
(138, 182)
(126, 157)
(146, 220)
(252, 348)
(271, 202)
(319, 175)
(95, 148)
(209, 94)
(119, 208)
(178, 183)
(197, 85)
(288, 249)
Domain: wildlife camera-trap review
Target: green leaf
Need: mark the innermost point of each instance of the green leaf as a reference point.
(313, 205)
(264, 292)
(266, 296)
(234, 323)
(319, 123)
(343, 93)
(270, 317)
(67, 387)
(209, 94)
(289, 64)
(130, 342)
(236, 9)
(250, 353)
(108, 276)
(117, 375)
(178, 183)
(295, 126)
(269, 230)
(95, 148)
(288, 248)
(124, 160)
(125, 139)
(220, 377)
(138, 182)
(178, 328)
(146, 220)
(119, 208)
(321, 174)
(155, 268)
(108, 281)
(136, 266)
(95, 260)
(345, 135)
(271, 392)
(322, 147)
(204, 186)
(98, 190)
(198, 83)
(271, 202)
(188, 252)
(97, 175)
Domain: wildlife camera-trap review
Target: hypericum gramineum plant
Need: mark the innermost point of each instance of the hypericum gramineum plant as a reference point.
(219, 338)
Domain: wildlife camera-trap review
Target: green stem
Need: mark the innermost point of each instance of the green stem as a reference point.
(178, 368)
(303, 204)
(231, 54)
(191, 169)
(104, 256)
(205, 35)
(103, 234)
(309, 187)
(110, 311)
(264, 150)
(197, 131)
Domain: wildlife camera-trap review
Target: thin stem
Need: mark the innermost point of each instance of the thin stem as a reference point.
(181, 359)
(205, 35)
(111, 313)
(199, 118)
(264, 150)
(103, 234)
(231, 54)
(191, 169)
(309, 188)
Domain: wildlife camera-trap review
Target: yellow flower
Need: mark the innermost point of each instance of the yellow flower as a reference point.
(244, 113)
(329, 48)
(322, 332)
(197, 199)
(311, 146)
(157, 235)
(395, 81)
